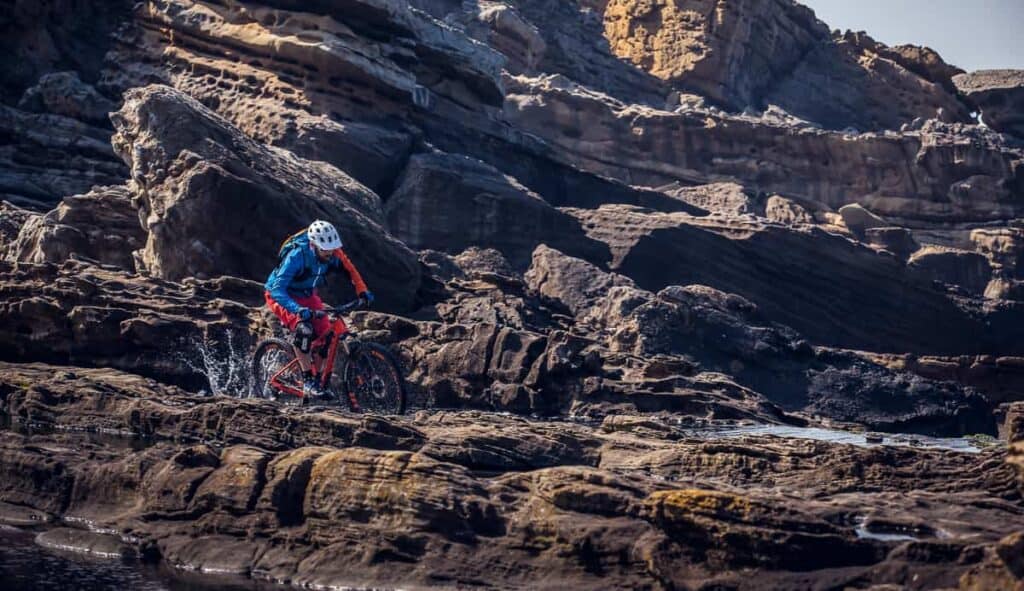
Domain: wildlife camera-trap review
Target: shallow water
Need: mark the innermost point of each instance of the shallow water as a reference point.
(961, 444)
(125, 440)
(25, 566)
(864, 533)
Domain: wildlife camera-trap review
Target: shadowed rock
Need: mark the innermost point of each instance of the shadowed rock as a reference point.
(998, 95)
(102, 225)
(450, 202)
(195, 173)
(814, 281)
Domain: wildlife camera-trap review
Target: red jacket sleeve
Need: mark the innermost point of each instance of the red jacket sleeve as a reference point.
(353, 274)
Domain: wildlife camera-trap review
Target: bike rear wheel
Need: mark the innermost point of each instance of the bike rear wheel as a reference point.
(373, 378)
(270, 357)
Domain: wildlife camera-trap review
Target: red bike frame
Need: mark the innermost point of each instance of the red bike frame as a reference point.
(337, 330)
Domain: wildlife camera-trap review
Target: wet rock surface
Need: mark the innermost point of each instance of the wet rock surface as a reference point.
(615, 245)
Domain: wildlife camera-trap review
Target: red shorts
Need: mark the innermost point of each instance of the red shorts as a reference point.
(290, 319)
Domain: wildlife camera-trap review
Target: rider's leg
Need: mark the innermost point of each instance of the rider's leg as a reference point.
(303, 358)
(318, 326)
(303, 342)
(291, 322)
(321, 324)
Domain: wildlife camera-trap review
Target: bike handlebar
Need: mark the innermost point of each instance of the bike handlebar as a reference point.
(342, 309)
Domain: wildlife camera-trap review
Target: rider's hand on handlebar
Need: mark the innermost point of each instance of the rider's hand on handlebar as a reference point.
(366, 298)
(305, 313)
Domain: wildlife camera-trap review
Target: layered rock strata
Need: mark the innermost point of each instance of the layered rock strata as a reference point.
(318, 498)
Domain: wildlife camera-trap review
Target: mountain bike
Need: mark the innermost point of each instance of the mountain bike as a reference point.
(370, 378)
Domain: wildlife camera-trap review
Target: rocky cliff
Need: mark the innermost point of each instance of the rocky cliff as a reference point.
(629, 226)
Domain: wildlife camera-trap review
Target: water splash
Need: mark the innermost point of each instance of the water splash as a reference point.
(223, 361)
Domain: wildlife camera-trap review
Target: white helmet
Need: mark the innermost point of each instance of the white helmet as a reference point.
(323, 235)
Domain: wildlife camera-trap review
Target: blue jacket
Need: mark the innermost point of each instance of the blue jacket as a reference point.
(301, 272)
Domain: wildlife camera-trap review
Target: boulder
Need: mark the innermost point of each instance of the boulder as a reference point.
(572, 283)
(728, 199)
(727, 334)
(441, 265)
(12, 219)
(1004, 248)
(786, 211)
(858, 219)
(925, 62)
(194, 173)
(63, 93)
(81, 313)
(102, 226)
(969, 270)
(897, 240)
(476, 261)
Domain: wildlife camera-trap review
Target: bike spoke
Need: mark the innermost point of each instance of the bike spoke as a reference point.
(376, 381)
(270, 365)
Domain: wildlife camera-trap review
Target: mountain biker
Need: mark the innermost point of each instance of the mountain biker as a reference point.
(291, 289)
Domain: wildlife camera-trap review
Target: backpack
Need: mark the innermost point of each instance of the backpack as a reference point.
(289, 243)
(287, 246)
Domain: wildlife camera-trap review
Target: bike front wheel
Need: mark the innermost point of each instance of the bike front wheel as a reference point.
(270, 357)
(373, 380)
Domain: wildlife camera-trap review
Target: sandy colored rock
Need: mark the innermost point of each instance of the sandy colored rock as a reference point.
(1004, 247)
(722, 198)
(770, 52)
(786, 211)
